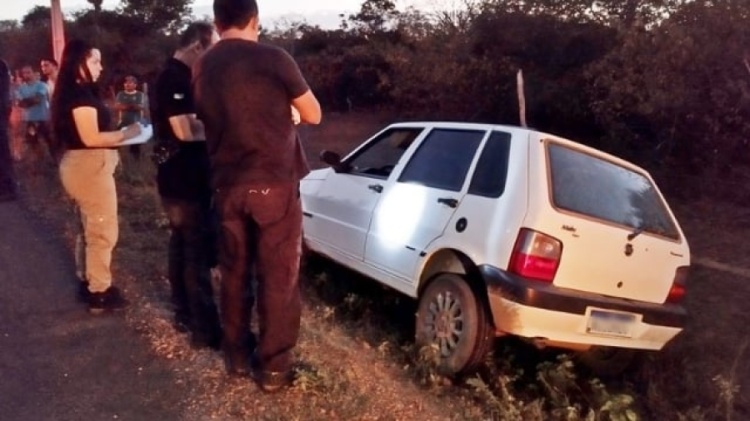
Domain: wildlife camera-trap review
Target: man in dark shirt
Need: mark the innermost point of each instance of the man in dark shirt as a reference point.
(183, 184)
(244, 94)
(7, 180)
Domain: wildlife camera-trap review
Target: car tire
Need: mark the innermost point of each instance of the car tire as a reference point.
(451, 316)
(606, 361)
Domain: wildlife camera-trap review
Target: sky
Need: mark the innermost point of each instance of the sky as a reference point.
(322, 12)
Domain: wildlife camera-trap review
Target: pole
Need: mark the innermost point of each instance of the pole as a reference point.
(58, 31)
(521, 98)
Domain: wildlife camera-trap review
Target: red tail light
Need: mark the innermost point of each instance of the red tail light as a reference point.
(677, 292)
(535, 256)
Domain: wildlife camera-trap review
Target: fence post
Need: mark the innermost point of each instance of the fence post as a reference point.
(521, 98)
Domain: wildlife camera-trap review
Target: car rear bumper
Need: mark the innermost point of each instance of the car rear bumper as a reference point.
(536, 310)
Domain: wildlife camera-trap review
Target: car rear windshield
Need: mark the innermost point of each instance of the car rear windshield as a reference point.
(598, 188)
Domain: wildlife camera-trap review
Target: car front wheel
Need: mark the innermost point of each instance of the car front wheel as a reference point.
(453, 320)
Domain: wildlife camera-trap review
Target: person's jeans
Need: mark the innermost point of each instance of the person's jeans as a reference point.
(261, 227)
(88, 177)
(190, 259)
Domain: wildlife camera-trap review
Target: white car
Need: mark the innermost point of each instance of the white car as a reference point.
(501, 230)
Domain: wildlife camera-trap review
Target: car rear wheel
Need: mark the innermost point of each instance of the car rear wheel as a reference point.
(452, 318)
(607, 361)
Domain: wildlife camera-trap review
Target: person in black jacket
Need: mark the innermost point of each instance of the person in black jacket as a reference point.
(7, 179)
(184, 187)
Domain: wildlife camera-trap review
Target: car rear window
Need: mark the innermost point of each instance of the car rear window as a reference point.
(601, 189)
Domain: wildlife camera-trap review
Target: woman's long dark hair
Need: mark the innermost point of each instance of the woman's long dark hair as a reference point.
(69, 80)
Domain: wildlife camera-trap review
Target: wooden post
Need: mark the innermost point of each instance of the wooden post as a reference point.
(58, 31)
(521, 98)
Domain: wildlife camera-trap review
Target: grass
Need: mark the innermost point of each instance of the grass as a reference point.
(693, 374)
(357, 358)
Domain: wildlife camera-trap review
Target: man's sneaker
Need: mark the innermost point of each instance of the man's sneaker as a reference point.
(269, 381)
(240, 359)
(236, 361)
(109, 300)
(273, 381)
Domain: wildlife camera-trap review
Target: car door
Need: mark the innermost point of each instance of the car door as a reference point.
(341, 208)
(418, 206)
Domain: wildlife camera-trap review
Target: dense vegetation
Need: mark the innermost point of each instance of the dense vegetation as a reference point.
(663, 82)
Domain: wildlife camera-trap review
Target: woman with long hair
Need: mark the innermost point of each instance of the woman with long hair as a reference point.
(82, 124)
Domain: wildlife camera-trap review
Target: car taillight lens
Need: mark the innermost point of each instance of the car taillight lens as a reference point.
(535, 256)
(677, 292)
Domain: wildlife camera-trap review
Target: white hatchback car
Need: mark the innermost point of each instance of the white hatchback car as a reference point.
(502, 230)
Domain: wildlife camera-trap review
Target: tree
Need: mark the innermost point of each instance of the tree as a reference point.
(97, 11)
(624, 13)
(160, 15)
(678, 95)
(97, 5)
(374, 16)
(39, 16)
(8, 25)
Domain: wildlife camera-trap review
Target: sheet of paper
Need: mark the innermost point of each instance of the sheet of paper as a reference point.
(147, 132)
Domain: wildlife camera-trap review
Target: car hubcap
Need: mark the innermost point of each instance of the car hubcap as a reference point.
(445, 322)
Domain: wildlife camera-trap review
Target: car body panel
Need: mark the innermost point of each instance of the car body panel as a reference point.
(340, 224)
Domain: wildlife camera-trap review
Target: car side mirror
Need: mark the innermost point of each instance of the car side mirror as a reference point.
(333, 160)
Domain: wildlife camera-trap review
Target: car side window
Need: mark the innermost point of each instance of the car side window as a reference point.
(382, 154)
(492, 169)
(443, 159)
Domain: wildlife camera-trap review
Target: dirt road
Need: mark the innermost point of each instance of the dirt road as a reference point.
(57, 361)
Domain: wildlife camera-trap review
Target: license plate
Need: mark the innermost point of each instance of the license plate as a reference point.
(610, 323)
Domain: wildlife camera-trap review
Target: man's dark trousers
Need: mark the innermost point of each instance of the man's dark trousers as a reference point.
(7, 179)
(261, 224)
(190, 255)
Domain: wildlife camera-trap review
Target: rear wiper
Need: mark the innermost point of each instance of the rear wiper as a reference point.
(636, 233)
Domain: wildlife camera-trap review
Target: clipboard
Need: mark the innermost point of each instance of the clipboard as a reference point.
(147, 132)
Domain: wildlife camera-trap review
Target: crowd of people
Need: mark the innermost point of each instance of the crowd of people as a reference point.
(229, 161)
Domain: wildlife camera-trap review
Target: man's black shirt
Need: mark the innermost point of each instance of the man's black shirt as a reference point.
(185, 175)
(243, 94)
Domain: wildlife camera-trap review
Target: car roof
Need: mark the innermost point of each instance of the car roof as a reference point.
(523, 133)
(459, 125)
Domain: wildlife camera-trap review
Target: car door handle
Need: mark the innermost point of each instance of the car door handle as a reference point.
(447, 201)
(377, 188)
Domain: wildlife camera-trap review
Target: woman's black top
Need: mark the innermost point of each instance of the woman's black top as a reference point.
(82, 95)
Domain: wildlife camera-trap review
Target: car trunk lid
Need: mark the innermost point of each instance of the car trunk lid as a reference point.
(618, 236)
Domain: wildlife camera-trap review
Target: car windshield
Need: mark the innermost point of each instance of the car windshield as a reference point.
(601, 189)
